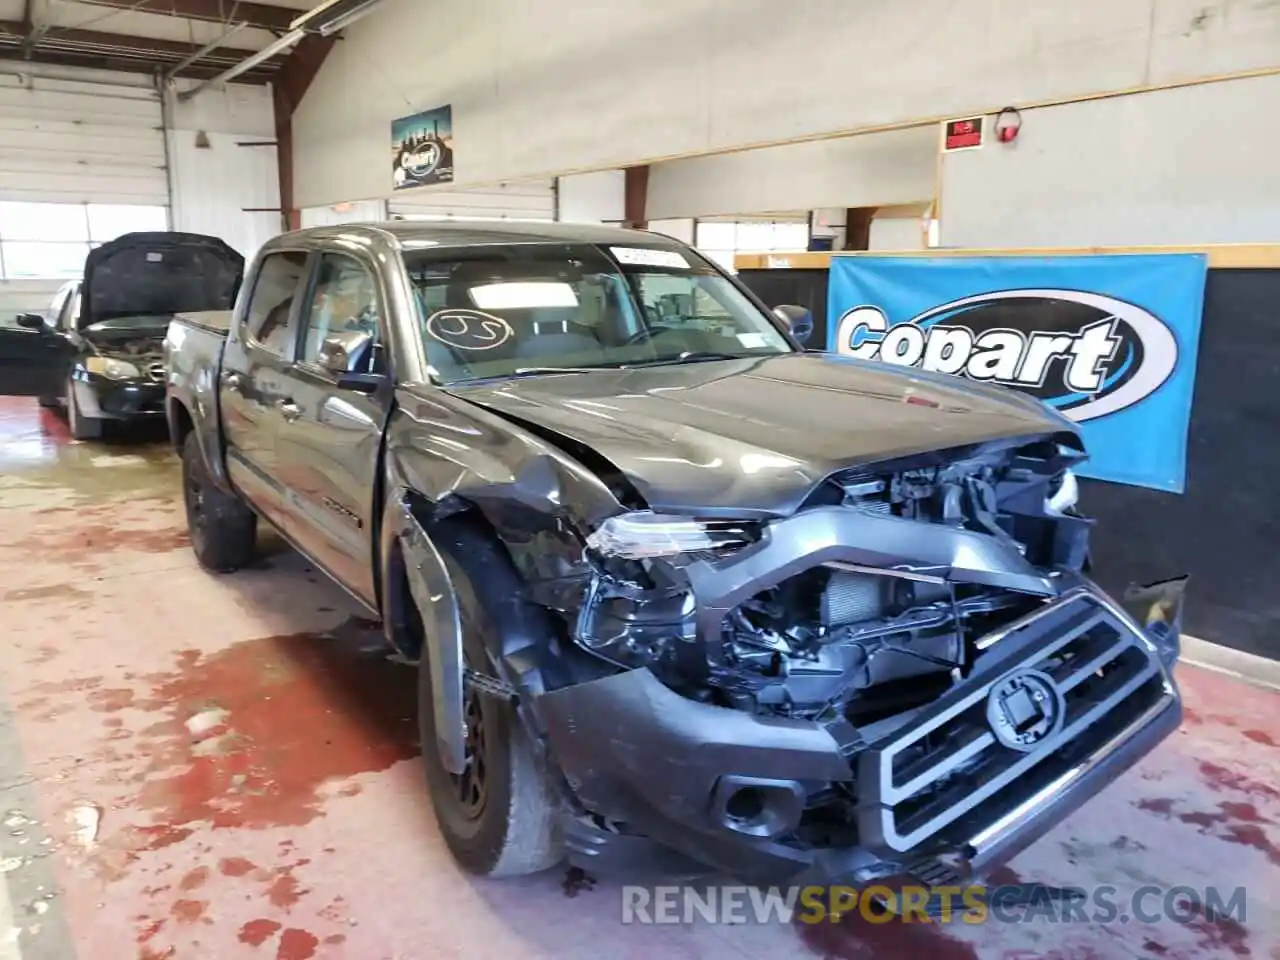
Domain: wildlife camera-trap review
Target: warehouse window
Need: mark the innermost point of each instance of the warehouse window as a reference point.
(49, 241)
(722, 240)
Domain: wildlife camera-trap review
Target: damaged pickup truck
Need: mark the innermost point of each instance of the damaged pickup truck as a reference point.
(683, 596)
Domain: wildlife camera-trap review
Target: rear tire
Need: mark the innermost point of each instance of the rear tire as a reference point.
(222, 528)
(501, 817)
(82, 427)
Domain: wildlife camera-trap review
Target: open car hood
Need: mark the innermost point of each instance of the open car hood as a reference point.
(158, 274)
(755, 436)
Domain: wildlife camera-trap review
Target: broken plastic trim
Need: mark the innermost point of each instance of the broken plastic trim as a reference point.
(1157, 608)
(432, 591)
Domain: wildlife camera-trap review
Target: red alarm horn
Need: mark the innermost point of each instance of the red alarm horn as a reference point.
(1008, 123)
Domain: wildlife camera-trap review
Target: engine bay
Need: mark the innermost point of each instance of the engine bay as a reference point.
(857, 641)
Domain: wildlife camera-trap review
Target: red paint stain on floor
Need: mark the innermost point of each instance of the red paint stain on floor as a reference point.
(1262, 737)
(236, 866)
(1220, 778)
(297, 944)
(1160, 806)
(101, 537)
(1221, 934)
(257, 932)
(189, 911)
(149, 929)
(854, 938)
(194, 879)
(285, 891)
(299, 710)
(1252, 835)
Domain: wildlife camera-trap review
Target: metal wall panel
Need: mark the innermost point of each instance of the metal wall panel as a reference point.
(225, 188)
(75, 141)
(535, 200)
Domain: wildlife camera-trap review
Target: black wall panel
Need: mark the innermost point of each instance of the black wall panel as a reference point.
(1225, 529)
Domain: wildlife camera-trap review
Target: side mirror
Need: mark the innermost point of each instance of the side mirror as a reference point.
(31, 321)
(345, 356)
(798, 320)
(345, 352)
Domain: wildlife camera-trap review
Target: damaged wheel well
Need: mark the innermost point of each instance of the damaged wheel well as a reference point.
(404, 621)
(180, 423)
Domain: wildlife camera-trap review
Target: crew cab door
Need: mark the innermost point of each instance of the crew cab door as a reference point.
(254, 391)
(36, 352)
(334, 439)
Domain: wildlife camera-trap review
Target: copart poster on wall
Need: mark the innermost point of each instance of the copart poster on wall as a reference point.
(1109, 341)
(422, 148)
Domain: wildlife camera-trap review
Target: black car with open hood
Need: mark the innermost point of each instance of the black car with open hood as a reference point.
(98, 351)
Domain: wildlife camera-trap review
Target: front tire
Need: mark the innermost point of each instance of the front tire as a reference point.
(500, 817)
(222, 528)
(81, 427)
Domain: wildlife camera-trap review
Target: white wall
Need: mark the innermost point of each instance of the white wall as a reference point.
(896, 233)
(593, 197)
(677, 228)
(362, 211)
(542, 87)
(532, 200)
(217, 188)
(865, 171)
(1184, 166)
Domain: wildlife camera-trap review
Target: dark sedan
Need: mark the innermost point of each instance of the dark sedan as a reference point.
(98, 353)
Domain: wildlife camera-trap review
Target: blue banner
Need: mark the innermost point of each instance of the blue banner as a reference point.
(1109, 340)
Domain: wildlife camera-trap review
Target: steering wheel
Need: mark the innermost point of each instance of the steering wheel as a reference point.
(646, 333)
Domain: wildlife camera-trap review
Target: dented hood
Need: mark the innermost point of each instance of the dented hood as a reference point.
(158, 274)
(755, 436)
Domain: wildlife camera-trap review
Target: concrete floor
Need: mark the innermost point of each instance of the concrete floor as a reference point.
(194, 766)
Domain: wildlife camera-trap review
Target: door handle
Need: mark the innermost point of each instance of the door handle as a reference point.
(288, 409)
(232, 381)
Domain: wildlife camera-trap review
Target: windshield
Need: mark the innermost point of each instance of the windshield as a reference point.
(525, 309)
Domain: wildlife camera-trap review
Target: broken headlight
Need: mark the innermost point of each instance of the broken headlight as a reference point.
(645, 535)
(1064, 493)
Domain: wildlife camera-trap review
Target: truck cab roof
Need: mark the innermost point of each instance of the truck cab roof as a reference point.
(408, 234)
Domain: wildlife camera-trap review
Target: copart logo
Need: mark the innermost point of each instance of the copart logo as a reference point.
(1085, 354)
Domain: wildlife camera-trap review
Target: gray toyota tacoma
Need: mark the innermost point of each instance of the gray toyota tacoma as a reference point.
(683, 596)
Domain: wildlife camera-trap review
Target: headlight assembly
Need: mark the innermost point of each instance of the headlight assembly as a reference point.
(112, 369)
(644, 535)
(1064, 495)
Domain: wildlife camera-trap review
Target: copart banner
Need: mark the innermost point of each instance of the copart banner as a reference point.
(1108, 340)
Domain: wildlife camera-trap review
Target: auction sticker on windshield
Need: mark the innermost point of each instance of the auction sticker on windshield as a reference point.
(647, 257)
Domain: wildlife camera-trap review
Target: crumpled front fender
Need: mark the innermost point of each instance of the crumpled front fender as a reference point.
(431, 590)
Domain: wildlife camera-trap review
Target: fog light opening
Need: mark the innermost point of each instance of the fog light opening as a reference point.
(745, 806)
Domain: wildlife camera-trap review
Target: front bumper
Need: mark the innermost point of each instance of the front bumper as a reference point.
(102, 398)
(734, 791)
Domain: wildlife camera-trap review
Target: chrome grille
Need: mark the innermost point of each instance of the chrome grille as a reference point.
(951, 772)
(156, 372)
